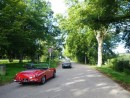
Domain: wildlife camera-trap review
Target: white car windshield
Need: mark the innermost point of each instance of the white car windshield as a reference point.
(66, 61)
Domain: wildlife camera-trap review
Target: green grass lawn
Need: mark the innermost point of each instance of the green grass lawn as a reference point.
(6, 61)
(117, 76)
(121, 78)
(13, 68)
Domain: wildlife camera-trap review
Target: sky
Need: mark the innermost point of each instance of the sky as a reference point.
(58, 6)
(120, 49)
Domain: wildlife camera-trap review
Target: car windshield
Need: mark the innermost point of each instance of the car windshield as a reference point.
(66, 61)
(43, 65)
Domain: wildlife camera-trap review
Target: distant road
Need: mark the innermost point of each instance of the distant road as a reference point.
(79, 82)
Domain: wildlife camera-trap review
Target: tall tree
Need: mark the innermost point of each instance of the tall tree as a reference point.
(96, 14)
(23, 24)
(99, 15)
(82, 46)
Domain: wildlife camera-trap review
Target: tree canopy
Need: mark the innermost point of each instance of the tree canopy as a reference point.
(101, 16)
(24, 26)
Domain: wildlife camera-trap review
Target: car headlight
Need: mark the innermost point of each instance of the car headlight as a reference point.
(30, 77)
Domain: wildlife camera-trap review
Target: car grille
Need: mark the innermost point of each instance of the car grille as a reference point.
(25, 80)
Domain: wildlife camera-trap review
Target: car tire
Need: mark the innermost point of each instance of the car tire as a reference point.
(43, 80)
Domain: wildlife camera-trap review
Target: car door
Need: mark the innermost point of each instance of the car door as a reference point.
(49, 73)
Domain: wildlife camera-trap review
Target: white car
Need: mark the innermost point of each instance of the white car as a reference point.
(66, 64)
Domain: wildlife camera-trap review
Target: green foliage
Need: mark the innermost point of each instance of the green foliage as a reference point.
(127, 71)
(111, 62)
(25, 25)
(54, 63)
(109, 44)
(98, 13)
(119, 65)
(126, 38)
(87, 17)
(83, 44)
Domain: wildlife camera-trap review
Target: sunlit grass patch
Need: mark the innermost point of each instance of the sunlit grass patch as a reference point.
(117, 76)
(11, 70)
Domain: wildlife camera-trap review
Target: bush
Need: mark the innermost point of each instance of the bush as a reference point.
(127, 71)
(119, 65)
(112, 62)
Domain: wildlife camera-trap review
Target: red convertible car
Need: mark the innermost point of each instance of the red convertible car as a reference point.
(38, 74)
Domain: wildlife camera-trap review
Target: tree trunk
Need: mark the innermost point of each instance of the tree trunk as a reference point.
(99, 38)
(10, 56)
(85, 59)
(21, 58)
(32, 59)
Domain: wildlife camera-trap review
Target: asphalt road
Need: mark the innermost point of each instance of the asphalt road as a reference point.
(78, 82)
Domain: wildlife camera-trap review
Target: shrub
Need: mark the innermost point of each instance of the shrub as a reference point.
(119, 65)
(127, 71)
(112, 62)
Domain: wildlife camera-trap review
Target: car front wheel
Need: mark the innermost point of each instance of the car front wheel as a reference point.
(43, 80)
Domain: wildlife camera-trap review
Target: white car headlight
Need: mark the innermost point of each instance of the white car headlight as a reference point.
(30, 77)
